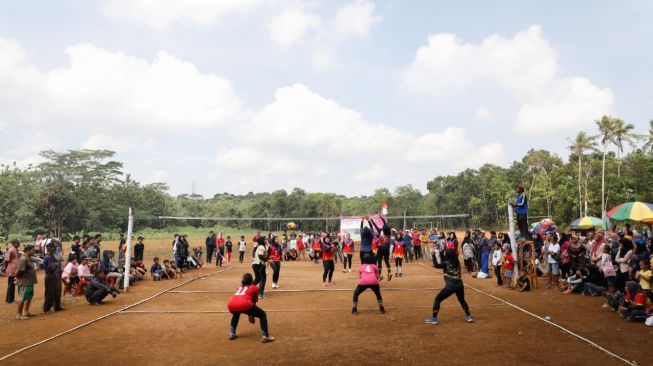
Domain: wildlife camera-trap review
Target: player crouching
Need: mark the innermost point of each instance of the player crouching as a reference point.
(244, 302)
(369, 276)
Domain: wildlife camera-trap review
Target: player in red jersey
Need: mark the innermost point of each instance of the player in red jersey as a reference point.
(348, 250)
(301, 248)
(244, 302)
(275, 261)
(327, 261)
(398, 253)
(317, 248)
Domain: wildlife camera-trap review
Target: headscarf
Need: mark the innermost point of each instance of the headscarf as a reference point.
(597, 247)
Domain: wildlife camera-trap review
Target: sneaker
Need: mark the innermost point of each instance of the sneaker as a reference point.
(344, 271)
(381, 309)
(350, 270)
(22, 317)
(268, 339)
(605, 305)
(232, 337)
(324, 284)
(432, 321)
(354, 311)
(262, 297)
(469, 319)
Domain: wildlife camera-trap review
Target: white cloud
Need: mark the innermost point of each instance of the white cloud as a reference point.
(160, 14)
(118, 144)
(3, 124)
(112, 89)
(303, 136)
(355, 19)
(525, 65)
(483, 114)
(292, 26)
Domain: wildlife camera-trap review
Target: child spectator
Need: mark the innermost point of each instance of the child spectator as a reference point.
(509, 265)
(244, 302)
(644, 276)
(156, 270)
(98, 289)
(25, 279)
(139, 249)
(607, 268)
(523, 282)
(230, 248)
(242, 247)
(168, 270)
(69, 275)
(497, 263)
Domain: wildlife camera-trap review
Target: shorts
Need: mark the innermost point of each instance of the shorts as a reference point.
(25, 292)
(612, 280)
(552, 268)
(508, 273)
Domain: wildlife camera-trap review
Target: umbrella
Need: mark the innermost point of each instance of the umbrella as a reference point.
(587, 222)
(632, 211)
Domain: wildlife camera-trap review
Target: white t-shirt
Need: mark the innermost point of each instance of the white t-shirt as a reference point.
(496, 257)
(292, 244)
(260, 250)
(242, 245)
(553, 249)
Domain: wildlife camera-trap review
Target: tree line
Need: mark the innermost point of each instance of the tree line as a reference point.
(85, 190)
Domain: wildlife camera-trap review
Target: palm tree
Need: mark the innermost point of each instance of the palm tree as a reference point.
(606, 132)
(648, 146)
(578, 146)
(622, 133)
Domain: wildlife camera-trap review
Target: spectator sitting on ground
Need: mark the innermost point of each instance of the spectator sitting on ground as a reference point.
(98, 289)
(575, 282)
(633, 307)
(69, 275)
(156, 270)
(523, 282)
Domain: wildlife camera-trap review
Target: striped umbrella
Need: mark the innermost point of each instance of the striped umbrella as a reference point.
(632, 211)
(587, 222)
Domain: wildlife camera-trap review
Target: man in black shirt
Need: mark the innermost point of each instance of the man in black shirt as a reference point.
(139, 248)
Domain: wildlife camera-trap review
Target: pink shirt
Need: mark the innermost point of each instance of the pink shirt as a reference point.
(69, 270)
(368, 274)
(83, 271)
(11, 262)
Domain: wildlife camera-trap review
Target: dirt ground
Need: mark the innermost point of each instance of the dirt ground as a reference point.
(190, 325)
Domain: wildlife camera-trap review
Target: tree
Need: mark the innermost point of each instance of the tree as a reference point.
(54, 204)
(648, 146)
(606, 127)
(579, 145)
(622, 133)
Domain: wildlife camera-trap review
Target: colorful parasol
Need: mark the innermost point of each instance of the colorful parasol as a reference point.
(587, 222)
(632, 211)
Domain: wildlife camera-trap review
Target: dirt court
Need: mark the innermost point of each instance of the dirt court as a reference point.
(189, 325)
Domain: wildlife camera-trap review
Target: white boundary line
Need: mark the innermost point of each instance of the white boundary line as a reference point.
(108, 315)
(560, 327)
(271, 291)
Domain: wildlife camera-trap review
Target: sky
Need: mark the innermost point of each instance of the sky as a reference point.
(331, 96)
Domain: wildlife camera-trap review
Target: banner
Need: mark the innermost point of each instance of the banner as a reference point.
(352, 225)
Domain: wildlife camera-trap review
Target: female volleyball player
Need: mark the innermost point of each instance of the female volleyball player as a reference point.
(348, 250)
(244, 302)
(369, 276)
(327, 261)
(275, 261)
(453, 285)
(398, 253)
(259, 262)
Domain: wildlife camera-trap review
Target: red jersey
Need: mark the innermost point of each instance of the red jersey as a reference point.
(417, 242)
(640, 299)
(220, 242)
(348, 246)
(275, 253)
(510, 262)
(327, 255)
(375, 245)
(398, 250)
(316, 245)
(243, 299)
(300, 245)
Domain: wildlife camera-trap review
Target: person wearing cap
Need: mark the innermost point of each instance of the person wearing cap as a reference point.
(25, 279)
(11, 263)
(52, 268)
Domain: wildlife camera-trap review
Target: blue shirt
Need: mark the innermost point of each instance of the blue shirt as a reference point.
(521, 204)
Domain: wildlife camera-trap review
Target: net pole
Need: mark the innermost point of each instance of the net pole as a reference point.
(513, 242)
(130, 227)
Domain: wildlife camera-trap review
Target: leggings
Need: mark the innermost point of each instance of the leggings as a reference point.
(276, 269)
(383, 255)
(316, 255)
(447, 291)
(328, 270)
(347, 259)
(469, 264)
(11, 289)
(418, 252)
(361, 288)
(398, 262)
(362, 254)
(254, 311)
(241, 256)
(259, 276)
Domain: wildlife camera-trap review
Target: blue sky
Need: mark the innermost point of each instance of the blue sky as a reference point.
(344, 96)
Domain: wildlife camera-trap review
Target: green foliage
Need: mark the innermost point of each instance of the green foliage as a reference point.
(85, 191)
